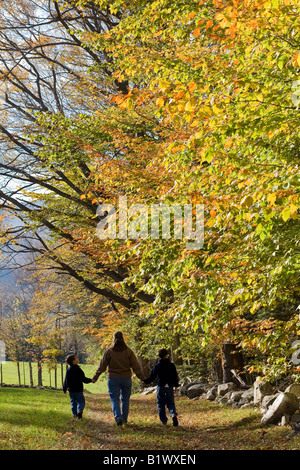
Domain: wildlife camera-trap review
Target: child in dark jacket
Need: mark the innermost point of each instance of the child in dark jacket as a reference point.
(167, 378)
(73, 384)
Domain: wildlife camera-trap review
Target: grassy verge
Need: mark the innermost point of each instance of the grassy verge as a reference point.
(10, 375)
(33, 419)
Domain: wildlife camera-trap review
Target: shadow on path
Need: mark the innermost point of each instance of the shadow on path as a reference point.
(144, 431)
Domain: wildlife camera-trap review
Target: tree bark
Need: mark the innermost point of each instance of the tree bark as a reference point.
(175, 352)
(217, 369)
(55, 376)
(144, 363)
(232, 358)
(40, 378)
(24, 375)
(62, 374)
(30, 373)
(19, 373)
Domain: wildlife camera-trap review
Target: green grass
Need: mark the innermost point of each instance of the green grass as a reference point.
(10, 376)
(32, 419)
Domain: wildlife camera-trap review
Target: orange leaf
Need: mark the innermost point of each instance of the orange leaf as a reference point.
(228, 143)
(296, 60)
(192, 86)
(196, 32)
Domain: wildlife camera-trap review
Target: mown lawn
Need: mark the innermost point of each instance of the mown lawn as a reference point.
(33, 419)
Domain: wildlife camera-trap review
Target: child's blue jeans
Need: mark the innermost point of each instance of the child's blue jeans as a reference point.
(165, 398)
(77, 402)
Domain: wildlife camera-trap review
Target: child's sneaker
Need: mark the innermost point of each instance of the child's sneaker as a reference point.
(79, 415)
(175, 421)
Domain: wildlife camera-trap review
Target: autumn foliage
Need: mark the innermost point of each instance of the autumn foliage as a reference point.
(200, 106)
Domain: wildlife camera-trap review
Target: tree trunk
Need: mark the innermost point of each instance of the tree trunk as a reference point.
(144, 363)
(40, 378)
(19, 373)
(55, 376)
(175, 351)
(232, 358)
(30, 373)
(203, 368)
(217, 370)
(62, 374)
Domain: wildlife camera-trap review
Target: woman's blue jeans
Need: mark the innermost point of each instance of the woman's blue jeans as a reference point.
(119, 389)
(165, 398)
(77, 402)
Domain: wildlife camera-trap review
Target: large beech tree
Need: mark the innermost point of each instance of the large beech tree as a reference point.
(222, 78)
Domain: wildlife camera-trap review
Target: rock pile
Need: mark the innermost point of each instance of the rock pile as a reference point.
(281, 407)
(227, 393)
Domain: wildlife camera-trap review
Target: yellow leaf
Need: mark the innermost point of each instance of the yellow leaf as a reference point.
(160, 101)
(233, 274)
(163, 85)
(195, 123)
(271, 198)
(286, 213)
(215, 109)
(189, 106)
(293, 209)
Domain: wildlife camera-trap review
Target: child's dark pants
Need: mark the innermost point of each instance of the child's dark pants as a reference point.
(165, 398)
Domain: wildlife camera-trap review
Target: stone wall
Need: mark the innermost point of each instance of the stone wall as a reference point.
(276, 407)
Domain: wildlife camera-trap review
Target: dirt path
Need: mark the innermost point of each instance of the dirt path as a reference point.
(144, 431)
(202, 426)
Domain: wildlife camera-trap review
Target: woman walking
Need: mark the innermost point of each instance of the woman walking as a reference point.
(119, 359)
